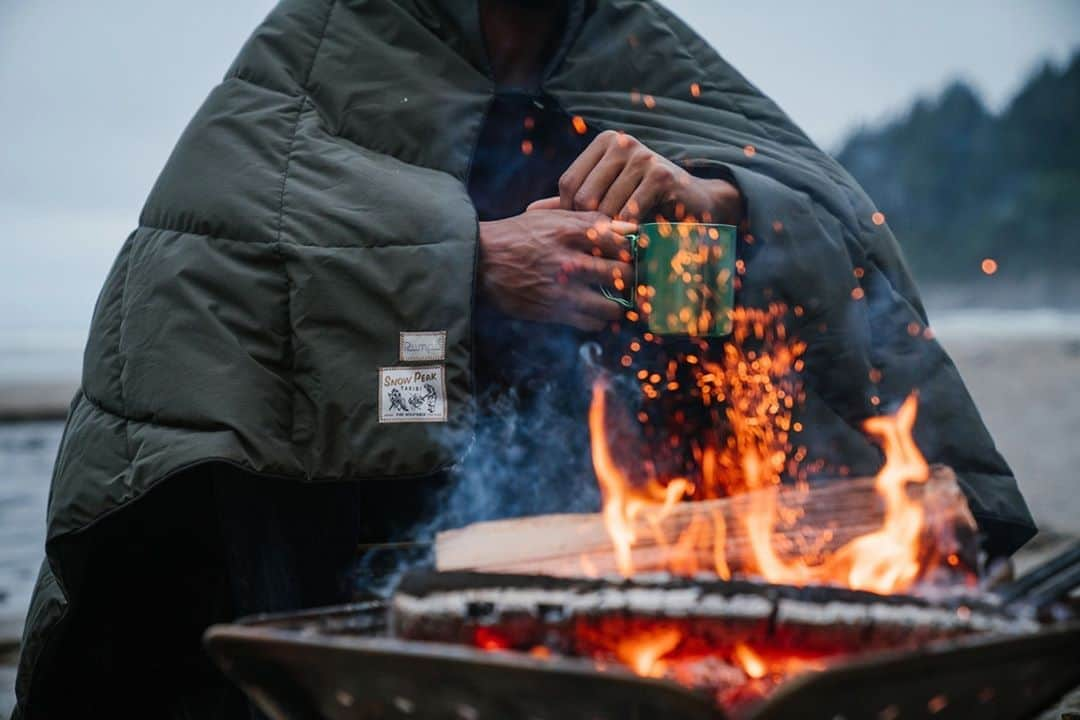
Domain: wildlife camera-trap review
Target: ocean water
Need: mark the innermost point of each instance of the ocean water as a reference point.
(27, 452)
(1005, 324)
(40, 356)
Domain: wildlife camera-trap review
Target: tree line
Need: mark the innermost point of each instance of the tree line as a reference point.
(960, 184)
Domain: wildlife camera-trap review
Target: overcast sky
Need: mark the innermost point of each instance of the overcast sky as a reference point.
(96, 93)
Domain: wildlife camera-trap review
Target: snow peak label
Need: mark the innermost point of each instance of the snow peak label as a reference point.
(412, 394)
(422, 346)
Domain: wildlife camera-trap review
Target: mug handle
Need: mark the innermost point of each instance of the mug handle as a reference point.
(614, 296)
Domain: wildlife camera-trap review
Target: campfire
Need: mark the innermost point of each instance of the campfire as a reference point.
(728, 580)
(728, 574)
(747, 585)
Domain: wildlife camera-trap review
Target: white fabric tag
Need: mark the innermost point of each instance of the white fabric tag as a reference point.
(422, 346)
(412, 394)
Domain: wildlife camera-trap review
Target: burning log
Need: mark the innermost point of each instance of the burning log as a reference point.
(678, 622)
(693, 537)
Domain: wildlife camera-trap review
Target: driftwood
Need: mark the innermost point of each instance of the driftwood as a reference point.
(816, 521)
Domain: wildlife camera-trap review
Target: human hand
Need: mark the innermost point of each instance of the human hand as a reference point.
(543, 265)
(620, 177)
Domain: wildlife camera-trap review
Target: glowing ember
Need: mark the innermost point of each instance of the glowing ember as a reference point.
(751, 664)
(490, 639)
(734, 673)
(989, 266)
(642, 652)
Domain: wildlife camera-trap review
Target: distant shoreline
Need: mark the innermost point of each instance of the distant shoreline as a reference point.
(38, 380)
(1052, 290)
(35, 400)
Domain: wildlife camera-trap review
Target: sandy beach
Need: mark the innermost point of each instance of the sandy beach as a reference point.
(1028, 391)
(1023, 371)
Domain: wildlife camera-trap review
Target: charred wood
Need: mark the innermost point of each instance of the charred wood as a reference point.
(577, 616)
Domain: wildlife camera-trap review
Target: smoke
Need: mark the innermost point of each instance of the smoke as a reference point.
(530, 454)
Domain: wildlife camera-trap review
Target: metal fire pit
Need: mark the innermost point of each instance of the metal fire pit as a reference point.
(338, 663)
(307, 673)
(341, 663)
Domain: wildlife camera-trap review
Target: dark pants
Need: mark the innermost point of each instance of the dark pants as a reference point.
(210, 545)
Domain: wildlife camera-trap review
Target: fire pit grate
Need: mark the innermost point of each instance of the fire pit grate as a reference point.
(344, 663)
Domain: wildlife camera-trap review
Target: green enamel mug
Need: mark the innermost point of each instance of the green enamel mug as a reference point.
(684, 278)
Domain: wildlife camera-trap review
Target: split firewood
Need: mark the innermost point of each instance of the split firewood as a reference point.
(811, 523)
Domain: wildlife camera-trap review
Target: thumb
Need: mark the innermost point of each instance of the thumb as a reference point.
(549, 203)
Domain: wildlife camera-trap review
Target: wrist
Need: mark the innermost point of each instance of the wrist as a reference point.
(483, 256)
(724, 200)
(491, 254)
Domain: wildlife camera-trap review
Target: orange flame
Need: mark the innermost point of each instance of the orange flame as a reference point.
(885, 561)
(623, 502)
(759, 394)
(642, 652)
(735, 672)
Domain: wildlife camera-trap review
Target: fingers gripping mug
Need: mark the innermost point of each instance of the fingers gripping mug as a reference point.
(684, 278)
